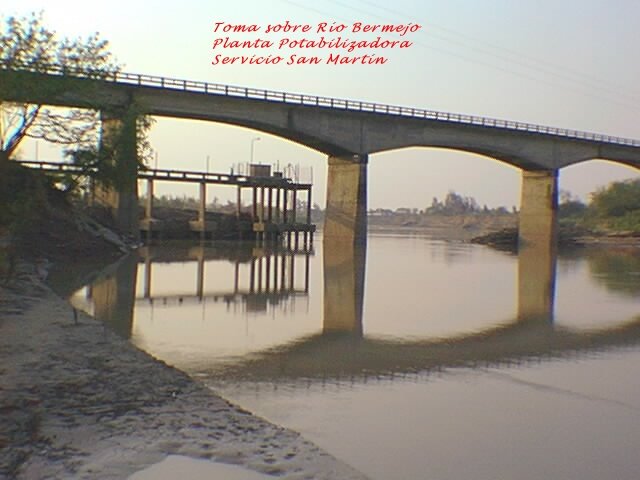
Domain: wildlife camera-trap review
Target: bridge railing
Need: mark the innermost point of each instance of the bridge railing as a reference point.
(327, 102)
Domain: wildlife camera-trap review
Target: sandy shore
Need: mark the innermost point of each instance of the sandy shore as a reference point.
(76, 401)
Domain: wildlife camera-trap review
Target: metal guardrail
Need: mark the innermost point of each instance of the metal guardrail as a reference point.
(327, 102)
(178, 175)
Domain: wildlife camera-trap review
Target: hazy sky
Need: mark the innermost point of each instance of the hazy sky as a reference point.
(564, 63)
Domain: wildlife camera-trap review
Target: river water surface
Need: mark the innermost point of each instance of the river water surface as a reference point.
(410, 359)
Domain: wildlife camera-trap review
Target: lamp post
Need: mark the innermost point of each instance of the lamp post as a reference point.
(253, 141)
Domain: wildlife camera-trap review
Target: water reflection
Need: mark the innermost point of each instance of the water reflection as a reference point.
(271, 275)
(618, 273)
(259, 279)
(344, 273)
(471, 350)
(113, 295)
(536, 283)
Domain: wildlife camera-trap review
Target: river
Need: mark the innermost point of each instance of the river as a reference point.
(410, 358)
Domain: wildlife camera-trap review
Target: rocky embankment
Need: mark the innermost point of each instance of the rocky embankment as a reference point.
(507, 239)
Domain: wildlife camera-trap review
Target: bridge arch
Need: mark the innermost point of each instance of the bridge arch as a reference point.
(419, 172)
(345, 130)
(612, 161)
(585, 177)
(469, 152)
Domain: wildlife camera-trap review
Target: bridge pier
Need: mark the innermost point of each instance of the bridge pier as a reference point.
(346, 213)
(119, 141)
(538, 232)
(538, 224)
(202, 210)
(278, 213)
(147, 222)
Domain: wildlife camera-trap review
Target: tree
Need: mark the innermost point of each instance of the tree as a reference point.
(617, 200)
(99, 161)
(456, 204)
(570, 205)
(28, 47)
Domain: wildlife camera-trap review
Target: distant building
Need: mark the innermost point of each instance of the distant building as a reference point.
(380, 212)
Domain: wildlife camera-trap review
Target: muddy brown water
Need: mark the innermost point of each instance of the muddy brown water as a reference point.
(412, 359)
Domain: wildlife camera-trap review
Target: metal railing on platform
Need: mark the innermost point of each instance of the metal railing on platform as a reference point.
(176, 175)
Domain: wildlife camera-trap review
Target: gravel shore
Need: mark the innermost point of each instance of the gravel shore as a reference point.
(77, 401)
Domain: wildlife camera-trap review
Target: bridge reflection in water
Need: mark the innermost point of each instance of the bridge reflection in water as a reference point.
(341, 349)
(271, 276)
(262, 277)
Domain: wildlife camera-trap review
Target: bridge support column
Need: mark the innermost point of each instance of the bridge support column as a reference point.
(278, 212)
(346, 214)
(254, 191)
(202, 210)
(537, 240)
(119, 141)
(285, 214)
(148, 211)
(538, 224)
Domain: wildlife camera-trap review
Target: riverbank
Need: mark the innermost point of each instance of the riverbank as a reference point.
(77, 401)
(442, 227)
(507, 239)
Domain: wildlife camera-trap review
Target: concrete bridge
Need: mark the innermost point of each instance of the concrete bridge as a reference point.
(346, 131)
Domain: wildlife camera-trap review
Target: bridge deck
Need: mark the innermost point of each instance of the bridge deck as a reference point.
(141, 80)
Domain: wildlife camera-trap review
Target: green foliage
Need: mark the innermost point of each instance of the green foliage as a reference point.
(27, 48)
(615, 208)
(629, 222)
(572, 209)
(124, 142)
(617, 200)
(27, 43)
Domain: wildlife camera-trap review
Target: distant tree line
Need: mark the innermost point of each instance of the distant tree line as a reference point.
(452, 204)
(456, 204)
(615, 207)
